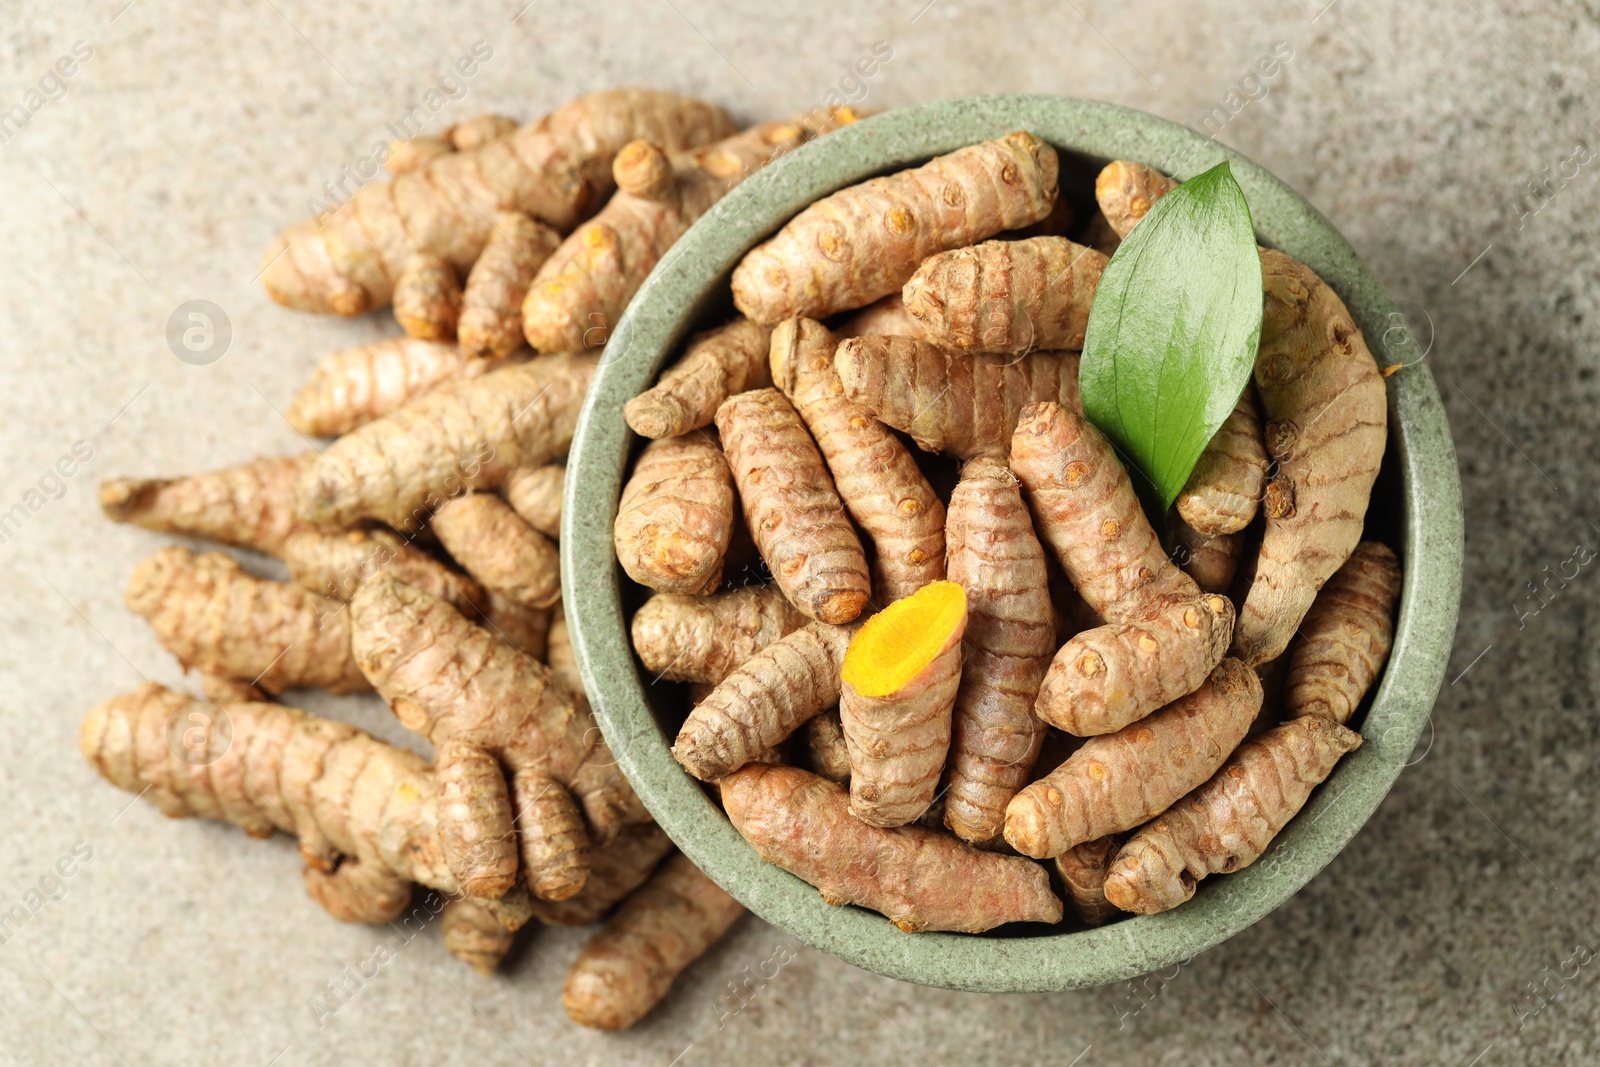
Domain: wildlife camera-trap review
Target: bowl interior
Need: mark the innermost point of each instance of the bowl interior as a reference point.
(1416, 509)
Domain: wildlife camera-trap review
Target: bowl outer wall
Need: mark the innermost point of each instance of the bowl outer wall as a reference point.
(692, 278)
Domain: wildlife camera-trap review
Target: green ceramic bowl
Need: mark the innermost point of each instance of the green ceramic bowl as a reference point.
(1416, 508)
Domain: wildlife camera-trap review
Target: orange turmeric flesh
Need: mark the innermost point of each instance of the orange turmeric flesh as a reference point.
(899, 642)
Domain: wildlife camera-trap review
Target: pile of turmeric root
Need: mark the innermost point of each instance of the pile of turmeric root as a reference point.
(931, 637)
(419, 549)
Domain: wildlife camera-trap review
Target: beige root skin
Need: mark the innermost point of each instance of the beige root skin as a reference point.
(1223, 492)
(365, 812)
(920, 879)
(865, 242)
(675, 518)
(876, 476)
(563, 663)
(1227, 823)
(763, 701)
(996, 558)
(491, 305)
(1126, 191)
(250, 505)
(883, 318)
(557, 169)
(628, 966)
(416, 153)
(474, 696)
(212, 615)
(720, 363)
(1098, 235)
(473, 935)
(1162, 635)
(223, 690)
(523, 628)
(1327, 422)
(535, 494)
(335, 564)
(897, 743)
(494, 545)
(1118, 781)
(427, 299)
(827, 752)
(1346, 636)
(705, 638)
(960, 403)
(478, 131)
(581, 293)
(355, 386)
(1083, 869)
(1211, 561)
(792, 508)
(615, 871)
(463, 435)
(1006, 296)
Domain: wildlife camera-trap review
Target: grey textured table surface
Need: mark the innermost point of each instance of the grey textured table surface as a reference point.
(158, 171)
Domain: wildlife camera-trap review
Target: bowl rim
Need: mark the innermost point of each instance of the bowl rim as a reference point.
(689, 281)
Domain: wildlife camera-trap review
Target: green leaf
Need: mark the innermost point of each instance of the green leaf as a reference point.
(1172, 333)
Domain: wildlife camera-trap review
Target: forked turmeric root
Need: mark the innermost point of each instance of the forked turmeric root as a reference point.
(366, 814)
(489, 712)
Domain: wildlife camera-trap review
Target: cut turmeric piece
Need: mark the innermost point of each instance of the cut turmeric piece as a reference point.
(919, 879)
(1226, 824)
(898, 686)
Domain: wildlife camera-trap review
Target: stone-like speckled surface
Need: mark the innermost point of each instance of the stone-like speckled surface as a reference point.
(188, 139)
